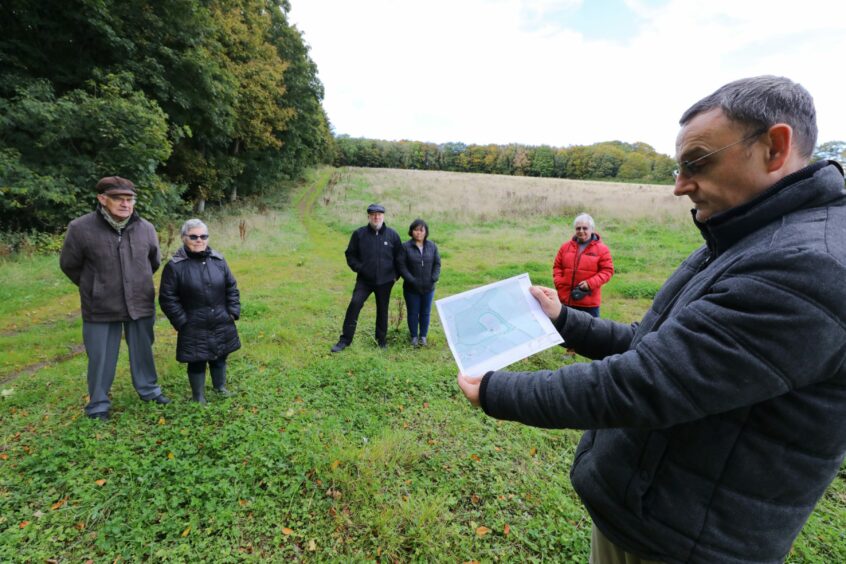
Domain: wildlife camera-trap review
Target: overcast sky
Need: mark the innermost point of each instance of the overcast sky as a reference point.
(561, 72)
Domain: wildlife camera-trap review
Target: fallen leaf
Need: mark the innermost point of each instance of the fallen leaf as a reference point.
(474, 499)
(533, 451)
(162, 421)
(482, 531)
(290, 412)
(243, 502)
(59, 504)
(4, 456)
(286, 531)
(38, 514)
(335, 464)
(186, 531)
(475, 457)
(23, 524)
(80, 526)
(312, 545)
(506, 530)
(170, 456)
(100, 482)
(425, 404)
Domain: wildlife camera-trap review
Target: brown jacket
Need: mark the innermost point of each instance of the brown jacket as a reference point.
(114, 272)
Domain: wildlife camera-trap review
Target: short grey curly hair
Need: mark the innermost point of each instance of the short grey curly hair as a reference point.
(191, 224)
(584, 217)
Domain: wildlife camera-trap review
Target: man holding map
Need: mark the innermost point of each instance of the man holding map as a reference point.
(717, 422)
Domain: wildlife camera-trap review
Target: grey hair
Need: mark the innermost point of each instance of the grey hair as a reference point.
(191, 224)
(761, 102)
(585, 217)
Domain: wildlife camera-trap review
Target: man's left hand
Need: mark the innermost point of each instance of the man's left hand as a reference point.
(470, 386)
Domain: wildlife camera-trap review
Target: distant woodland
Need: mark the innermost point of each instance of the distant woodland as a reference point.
(612, 160)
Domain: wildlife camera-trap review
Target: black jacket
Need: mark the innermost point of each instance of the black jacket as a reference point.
(373, 255)
(200, 298)
(720, 419)
(419, 270)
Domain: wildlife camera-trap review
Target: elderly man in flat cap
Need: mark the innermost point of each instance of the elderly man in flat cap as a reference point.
(373, 254)
(111, 255)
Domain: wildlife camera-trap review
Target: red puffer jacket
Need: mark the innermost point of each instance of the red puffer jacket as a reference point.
(593, 265)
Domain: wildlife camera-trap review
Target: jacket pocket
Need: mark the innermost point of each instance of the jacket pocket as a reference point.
(643, 477)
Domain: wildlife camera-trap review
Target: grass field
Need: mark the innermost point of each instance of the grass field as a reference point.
(368, 455)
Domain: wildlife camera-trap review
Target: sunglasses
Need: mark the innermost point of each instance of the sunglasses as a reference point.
(204, 236)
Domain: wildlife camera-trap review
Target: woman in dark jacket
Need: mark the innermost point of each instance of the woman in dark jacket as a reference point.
(199, 296)
(420, 267)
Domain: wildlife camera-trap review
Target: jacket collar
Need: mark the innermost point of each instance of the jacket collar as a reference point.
(593, 237)
(181, 255)
(815, 185)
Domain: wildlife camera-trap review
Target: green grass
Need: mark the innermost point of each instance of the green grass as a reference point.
(365, 456)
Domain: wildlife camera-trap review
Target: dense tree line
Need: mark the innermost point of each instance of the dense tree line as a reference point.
(613, 160)
(193, 100)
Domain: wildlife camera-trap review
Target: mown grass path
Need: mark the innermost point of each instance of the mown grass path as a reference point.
(368, 455)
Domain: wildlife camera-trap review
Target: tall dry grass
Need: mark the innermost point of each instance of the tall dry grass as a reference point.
(473, 197)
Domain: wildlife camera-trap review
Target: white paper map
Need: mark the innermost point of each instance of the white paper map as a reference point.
(491, 327)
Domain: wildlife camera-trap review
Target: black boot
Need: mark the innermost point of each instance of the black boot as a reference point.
(198, 386)
(218, 374)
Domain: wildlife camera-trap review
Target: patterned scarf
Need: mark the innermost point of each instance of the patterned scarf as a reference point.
(116, 225)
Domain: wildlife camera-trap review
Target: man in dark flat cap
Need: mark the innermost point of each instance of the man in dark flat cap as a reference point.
(111, 255)
(373, 253)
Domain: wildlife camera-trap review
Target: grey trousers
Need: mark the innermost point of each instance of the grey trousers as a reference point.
(603, 551)
(102, 344)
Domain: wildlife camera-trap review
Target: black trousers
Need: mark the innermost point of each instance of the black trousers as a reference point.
(360, 294)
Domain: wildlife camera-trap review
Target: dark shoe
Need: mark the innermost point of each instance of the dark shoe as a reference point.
(100, 415)
(223, 392)
(414, 341)
(339, 346)
(383, 345)
(423, 342)
(161, 399)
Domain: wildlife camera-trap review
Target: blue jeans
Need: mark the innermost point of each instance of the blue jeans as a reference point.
(594, 311)
(419, 308)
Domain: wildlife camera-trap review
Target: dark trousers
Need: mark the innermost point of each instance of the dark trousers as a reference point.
(594, 311)
(419, 309)
(360, 294)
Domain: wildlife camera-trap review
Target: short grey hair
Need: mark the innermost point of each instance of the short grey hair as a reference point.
(191, 224)
(585, 217)
(760, 102)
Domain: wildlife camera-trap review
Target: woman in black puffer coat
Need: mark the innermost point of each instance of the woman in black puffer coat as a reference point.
(199, 296)
(420, 268)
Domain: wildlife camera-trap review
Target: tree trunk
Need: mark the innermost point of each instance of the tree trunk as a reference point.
(200, 205)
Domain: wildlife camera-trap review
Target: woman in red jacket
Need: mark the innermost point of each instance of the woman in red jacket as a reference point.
(583, 264)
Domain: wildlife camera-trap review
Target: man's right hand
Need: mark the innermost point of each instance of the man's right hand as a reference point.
(548, 300)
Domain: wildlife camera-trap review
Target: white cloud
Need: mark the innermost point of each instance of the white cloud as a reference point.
(499, 71)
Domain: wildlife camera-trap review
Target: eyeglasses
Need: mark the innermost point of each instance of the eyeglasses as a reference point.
(204, 236)
(689, 169)
(122, 199)
(582, 228)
